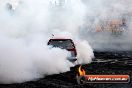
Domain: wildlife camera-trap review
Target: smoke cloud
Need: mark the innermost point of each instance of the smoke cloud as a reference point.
(25, 28)
(108, 24)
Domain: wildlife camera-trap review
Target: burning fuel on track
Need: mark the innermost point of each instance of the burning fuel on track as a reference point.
(27, 25)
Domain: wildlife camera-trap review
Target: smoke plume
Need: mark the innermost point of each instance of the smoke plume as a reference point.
(25, 28)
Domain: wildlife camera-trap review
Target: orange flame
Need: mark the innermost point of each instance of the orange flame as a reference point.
(81, 71)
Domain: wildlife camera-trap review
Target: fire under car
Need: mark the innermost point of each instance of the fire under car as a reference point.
(67, 44)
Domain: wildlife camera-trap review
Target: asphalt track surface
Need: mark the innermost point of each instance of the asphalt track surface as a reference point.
(104, 63)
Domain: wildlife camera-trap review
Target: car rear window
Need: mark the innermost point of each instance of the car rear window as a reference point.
(65, 44)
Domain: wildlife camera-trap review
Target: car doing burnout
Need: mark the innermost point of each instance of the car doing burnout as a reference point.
(67, 44)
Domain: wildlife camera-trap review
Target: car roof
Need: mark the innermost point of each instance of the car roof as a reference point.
(60, 39)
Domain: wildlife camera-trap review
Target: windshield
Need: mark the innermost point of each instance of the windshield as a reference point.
(65, 44)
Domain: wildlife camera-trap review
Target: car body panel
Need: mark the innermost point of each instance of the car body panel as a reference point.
(66, 44)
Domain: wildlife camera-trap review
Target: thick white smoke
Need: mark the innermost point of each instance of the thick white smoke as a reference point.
(25, 28)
